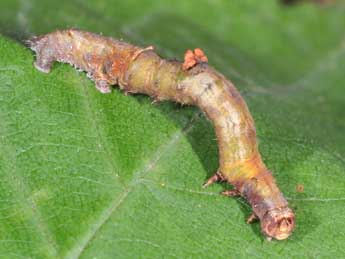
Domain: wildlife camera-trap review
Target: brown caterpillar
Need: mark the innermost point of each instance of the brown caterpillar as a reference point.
(140, 70)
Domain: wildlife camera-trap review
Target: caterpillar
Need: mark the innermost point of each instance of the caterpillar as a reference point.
(193, 82)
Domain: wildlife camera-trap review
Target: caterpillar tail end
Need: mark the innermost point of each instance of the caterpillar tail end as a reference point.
(278, 223)
(44, 58)
(33, 42)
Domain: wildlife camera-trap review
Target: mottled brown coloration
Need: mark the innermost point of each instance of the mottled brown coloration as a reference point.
(137, 70)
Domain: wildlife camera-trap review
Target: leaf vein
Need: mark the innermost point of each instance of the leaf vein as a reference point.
(78, 249)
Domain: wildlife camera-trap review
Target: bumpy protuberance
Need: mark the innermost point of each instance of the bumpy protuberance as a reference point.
(141, 70)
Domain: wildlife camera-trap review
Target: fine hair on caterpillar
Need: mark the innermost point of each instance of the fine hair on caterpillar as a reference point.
(140, 70)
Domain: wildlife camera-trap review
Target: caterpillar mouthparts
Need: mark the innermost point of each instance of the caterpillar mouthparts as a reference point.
(140, 70)
(278, 223)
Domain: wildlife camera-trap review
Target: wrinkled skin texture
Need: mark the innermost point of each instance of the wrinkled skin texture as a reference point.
(137, 70)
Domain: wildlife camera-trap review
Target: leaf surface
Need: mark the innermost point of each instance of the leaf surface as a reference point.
(86, 175)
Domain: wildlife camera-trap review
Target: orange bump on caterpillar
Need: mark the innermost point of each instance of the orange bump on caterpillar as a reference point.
(192, 58)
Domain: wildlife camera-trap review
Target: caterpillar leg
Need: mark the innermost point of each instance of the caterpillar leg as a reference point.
(103, 86)
(252, 218)
(217, 177)
(101, 82)
(231, 193)
(43, 62)
(44, 54)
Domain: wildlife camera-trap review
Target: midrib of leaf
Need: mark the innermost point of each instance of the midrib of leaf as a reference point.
(85, 240)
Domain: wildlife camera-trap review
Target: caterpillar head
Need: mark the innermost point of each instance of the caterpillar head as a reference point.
(278, 223)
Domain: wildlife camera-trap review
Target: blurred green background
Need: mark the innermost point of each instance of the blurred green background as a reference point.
(85, 175)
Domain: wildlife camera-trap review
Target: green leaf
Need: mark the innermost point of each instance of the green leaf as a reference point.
(113, 176)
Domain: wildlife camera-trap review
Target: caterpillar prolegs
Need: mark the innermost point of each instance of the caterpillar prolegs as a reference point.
(140, 70)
